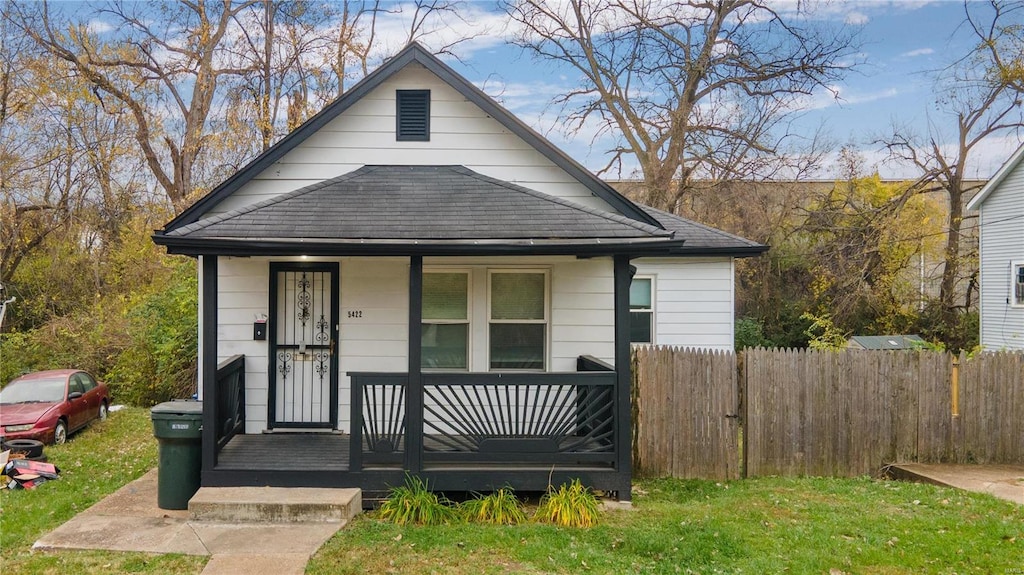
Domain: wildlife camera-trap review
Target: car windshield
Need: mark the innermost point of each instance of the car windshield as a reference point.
(32, 391)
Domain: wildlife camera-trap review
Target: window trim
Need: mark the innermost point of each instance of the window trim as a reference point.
(468, 322)
(1014, 266)
(652, 310)
(546, 321)
(399, 136)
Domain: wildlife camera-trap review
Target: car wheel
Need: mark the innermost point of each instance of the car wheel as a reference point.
(60, 433)
(103, 411)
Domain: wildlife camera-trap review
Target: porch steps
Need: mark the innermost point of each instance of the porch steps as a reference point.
(275, 504)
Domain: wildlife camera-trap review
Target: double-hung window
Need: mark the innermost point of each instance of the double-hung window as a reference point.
(518, 319)
(1017, 283)
(445, 320)
(641, 310)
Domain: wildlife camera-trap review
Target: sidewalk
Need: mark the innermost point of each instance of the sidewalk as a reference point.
(1002, 481)
(129, 520)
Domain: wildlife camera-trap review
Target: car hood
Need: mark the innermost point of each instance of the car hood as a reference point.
(17, 413)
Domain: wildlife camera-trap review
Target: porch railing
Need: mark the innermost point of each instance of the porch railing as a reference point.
(229, 404)
(489, 418)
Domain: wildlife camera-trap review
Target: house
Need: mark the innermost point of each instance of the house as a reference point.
(889, 342)
(416, 281)
(1001, 252)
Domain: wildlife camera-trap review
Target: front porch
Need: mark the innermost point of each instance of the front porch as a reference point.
(458, 430)
(481, 431)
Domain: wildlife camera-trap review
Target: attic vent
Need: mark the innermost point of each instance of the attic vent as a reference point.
(413, 115)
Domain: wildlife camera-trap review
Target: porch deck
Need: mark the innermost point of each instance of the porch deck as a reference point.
(286, 451)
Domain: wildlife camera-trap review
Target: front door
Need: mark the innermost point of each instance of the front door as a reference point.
(303, 333)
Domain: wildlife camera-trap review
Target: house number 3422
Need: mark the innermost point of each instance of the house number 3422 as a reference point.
(355, 314)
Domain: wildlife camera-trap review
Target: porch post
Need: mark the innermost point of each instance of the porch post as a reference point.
(414, 387)
(623, 379)
(208, 361)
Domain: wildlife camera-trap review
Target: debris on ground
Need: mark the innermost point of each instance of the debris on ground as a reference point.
(21, 473)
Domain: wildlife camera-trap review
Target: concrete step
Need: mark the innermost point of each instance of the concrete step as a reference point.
(274, 504)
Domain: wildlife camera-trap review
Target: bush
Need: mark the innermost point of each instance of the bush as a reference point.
(501, 507)
(571, 505)
(414, 503)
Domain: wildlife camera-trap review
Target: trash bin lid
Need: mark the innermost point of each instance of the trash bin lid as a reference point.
(180, 408)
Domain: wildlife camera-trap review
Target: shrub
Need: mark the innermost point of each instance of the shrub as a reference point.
(414, 503)
(501, 507)
(571, 505)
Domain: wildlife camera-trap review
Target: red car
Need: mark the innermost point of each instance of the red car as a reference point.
(49, 405)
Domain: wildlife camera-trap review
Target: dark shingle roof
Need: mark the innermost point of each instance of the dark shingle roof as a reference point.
(699, 237)
(411, 203)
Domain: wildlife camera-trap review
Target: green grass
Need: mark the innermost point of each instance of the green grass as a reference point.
(95, 463)
(769, 525)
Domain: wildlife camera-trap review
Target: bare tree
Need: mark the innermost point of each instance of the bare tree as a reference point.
(975, 100)
(691, 89)
(164, 67)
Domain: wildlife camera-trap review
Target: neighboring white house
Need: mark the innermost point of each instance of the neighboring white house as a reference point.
(417, 268)
(1001, 251)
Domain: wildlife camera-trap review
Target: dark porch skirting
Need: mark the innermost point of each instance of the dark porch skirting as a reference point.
(322, 460)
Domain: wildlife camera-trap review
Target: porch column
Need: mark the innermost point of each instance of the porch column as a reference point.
(623, 379)
(208, 360)
(414, 387)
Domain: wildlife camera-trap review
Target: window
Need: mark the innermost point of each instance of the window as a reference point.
(518, 320)
(641, 310)
(412, 115)
(75, 385)
(445, 320)
(1017, 283)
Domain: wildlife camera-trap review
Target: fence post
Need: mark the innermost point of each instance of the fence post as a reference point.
(956, 387)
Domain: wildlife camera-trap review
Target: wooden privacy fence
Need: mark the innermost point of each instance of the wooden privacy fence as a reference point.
(685, 413)
(807, 412)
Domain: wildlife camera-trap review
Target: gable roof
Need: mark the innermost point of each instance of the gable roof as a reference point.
(411, 53)
(427, 209)
(997, 179)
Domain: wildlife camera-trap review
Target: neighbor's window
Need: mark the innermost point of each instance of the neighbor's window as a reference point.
(412, 115)
(445, 320)
(1017, 283)
(641, 310)
(518, 320)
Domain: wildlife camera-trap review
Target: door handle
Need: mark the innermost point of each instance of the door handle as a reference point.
(332, 346)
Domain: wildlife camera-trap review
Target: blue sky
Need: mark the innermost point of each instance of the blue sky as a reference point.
(902, 42)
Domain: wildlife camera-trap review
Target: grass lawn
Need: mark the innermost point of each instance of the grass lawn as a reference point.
(95, 463)
(768, 525)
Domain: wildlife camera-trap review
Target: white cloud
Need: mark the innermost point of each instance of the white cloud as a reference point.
(856, 18)
(918, 52)
(99, 27)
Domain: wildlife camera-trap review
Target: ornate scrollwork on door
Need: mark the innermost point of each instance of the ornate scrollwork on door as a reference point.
(302, 300)
(322, 363)
(284, 364)
(322, 334)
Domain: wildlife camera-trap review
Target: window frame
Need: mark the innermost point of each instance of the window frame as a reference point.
(468, 322)
(651, 311)
(399, 97)
(546, 321)
(1015, 266)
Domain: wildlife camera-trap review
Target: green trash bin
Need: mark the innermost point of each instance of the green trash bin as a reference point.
(178, 428)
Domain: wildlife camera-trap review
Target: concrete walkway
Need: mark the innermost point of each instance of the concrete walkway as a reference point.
(129, 520)
(1002, 481)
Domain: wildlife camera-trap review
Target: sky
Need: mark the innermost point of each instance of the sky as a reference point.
(902, 42)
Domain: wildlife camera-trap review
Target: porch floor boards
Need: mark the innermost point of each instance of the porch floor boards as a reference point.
(286, 451)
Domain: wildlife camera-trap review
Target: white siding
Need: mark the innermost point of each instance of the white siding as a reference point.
(460, 133)
(581, 317)
(1002, 242)
(693, 301)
